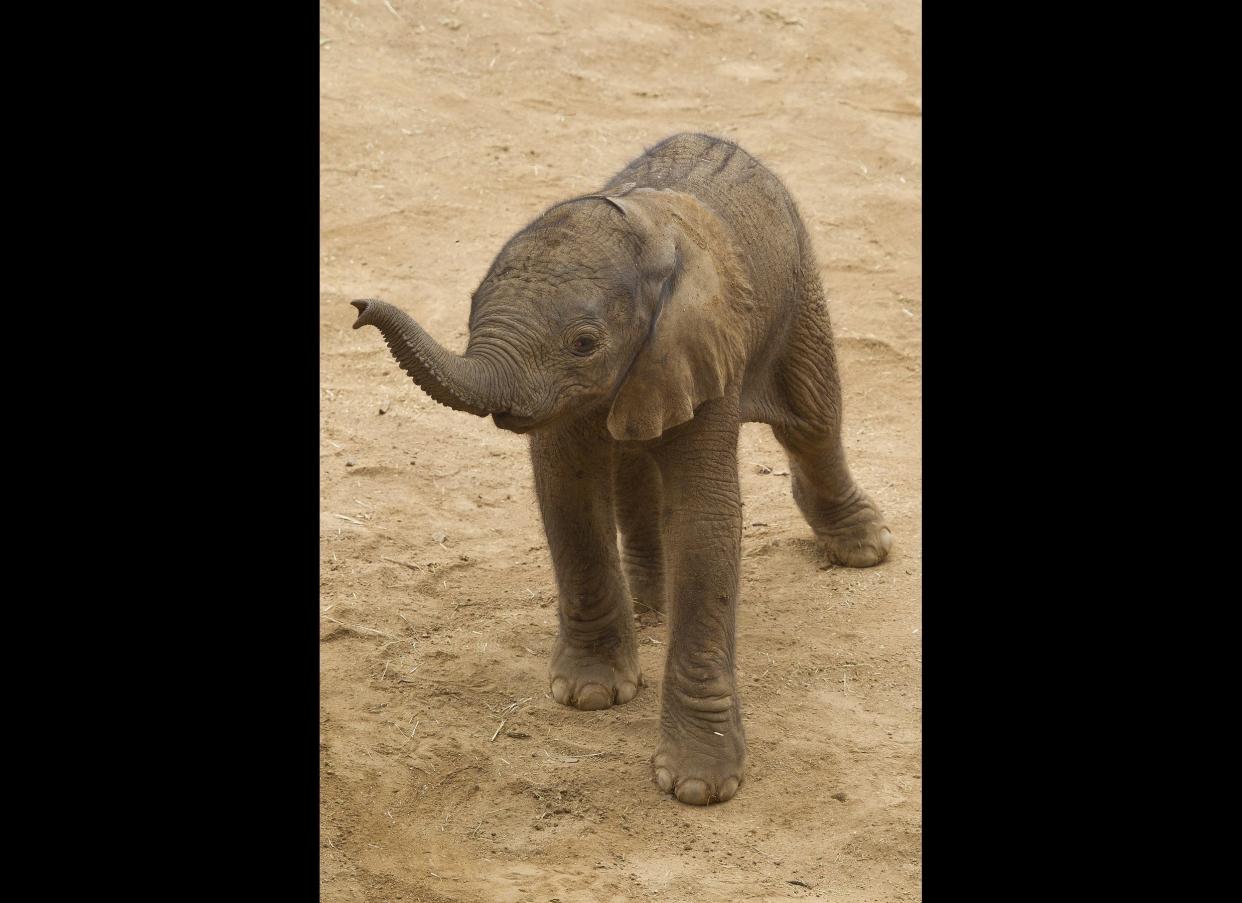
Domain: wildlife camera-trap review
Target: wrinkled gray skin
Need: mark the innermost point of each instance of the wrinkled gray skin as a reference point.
(629, 333)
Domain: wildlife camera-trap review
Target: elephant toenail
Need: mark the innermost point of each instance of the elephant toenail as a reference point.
(728, 788)
(694, 792)
(560, 690)
(886, 539)
(594, 696)
(664, 780)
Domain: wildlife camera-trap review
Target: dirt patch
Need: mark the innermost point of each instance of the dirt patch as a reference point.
(448, 773)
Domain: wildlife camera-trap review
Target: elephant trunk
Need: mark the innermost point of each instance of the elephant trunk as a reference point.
(461, 382)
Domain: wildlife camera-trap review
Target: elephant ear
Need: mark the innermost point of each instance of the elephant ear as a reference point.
(699, 303)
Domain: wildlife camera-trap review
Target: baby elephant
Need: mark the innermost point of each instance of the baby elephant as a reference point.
(630, 332)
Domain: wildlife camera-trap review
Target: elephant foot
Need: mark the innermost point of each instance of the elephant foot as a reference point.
(854, 535)
(596, 676)
(702, 751)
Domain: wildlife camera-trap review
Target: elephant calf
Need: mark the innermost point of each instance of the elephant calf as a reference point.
(630, 332)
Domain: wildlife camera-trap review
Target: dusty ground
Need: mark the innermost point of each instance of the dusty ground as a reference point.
(446, 126)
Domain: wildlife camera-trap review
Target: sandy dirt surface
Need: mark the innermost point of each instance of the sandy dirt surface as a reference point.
(448, 772)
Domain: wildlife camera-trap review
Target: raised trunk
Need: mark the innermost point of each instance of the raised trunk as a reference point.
(462, 383)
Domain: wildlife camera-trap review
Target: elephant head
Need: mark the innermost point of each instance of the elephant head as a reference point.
(634, 300)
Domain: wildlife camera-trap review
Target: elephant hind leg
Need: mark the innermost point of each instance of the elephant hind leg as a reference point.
(638, 496)
(846, 522)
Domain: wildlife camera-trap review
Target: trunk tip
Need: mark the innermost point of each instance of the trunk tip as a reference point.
(364, 307)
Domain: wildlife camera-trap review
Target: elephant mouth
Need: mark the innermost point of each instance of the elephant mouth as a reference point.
(514, 423)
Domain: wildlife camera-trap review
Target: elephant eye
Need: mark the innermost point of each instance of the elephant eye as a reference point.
(583, 344)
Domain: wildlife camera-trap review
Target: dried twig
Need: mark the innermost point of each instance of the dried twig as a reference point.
(645, 607)
(570, 760)
(857, 106)
(362, 628)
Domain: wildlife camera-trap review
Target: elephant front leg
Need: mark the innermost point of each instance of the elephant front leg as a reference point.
(701, 752)
(595, 660)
